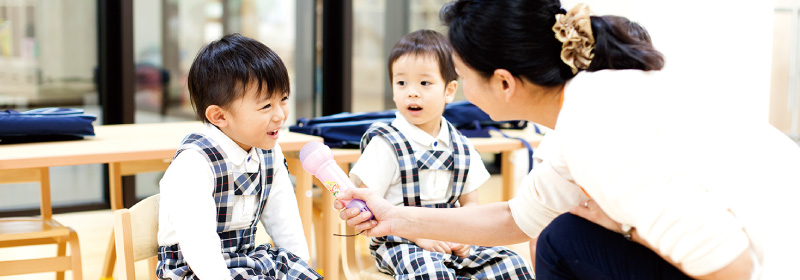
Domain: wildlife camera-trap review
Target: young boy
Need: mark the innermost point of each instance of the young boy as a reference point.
(421, 160)
(231, 175)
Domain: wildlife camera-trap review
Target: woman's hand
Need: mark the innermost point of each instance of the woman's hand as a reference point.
(592, 212)
(381, 209)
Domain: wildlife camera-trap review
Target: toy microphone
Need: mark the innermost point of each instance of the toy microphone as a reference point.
(317, 159)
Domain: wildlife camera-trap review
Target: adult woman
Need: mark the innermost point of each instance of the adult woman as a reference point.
(660, 171)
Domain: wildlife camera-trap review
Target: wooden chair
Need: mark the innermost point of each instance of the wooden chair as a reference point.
(37, 231)
(355, 266)
(139, 242)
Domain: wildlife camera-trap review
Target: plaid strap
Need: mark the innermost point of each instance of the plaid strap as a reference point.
(405, 158)
(461, 161)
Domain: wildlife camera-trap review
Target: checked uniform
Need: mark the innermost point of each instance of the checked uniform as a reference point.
(243, 258)
(404, 259)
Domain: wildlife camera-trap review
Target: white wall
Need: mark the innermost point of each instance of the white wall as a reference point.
(721, 50)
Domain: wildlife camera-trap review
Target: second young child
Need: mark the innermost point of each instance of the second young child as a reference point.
(421, 160)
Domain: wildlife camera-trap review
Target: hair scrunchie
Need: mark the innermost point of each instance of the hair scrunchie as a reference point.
(574, 31)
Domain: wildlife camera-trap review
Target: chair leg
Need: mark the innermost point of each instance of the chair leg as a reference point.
(153, 265)
(317, 242)
(75, 252)
(111, 258)
(61, 251)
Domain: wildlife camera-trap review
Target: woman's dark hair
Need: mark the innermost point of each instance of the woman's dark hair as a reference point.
(224, 69)
(622, 44)
(426, 43)
(517, 35)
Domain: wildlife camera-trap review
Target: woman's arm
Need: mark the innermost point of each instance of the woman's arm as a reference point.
(486, 225)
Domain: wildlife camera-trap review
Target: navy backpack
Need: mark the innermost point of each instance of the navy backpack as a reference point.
(344, 130)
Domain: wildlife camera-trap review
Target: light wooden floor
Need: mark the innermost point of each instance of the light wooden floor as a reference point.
(94, 231)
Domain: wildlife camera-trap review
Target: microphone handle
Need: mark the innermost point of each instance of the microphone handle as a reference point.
(334, 179)
(360, 205)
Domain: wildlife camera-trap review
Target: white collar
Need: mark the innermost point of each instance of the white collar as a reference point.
(414, 133)
(236, 155)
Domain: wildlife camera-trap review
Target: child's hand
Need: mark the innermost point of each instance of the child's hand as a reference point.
(458, 249)
(434, 245)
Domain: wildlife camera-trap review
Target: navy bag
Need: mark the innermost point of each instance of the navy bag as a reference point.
(44, 124)
(345, 129)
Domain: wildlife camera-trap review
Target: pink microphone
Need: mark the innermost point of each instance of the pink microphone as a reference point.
(317, 159)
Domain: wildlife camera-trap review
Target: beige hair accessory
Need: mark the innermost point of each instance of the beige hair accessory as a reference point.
(574, 31)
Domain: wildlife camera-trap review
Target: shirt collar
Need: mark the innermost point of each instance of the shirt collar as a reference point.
(236, 154)
(414, 133)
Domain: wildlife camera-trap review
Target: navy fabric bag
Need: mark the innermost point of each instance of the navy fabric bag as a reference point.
(44, 124)
(345, 129)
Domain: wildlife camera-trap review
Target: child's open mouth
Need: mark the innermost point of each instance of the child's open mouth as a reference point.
(273, 133)
(414, 108)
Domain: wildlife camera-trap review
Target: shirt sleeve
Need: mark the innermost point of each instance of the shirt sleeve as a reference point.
(281, 216)
(477, 175)
(187, 194)
(543, 195)
(377, 167)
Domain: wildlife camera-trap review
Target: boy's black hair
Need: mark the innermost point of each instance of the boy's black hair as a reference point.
(426, 43)
(224, 69)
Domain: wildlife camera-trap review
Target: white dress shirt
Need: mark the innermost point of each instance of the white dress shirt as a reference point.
(187, 212)
(698, 184)
(378, 168)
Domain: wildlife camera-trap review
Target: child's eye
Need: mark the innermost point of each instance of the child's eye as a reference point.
(401, 83)
(266, 107)
(425, 83)
(285, 98)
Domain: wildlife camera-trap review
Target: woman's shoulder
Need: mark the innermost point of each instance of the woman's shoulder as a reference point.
(617, 78)
(628, 86)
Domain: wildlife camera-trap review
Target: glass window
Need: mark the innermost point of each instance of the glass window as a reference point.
(370, 47)
(48, 57)
(369, 60)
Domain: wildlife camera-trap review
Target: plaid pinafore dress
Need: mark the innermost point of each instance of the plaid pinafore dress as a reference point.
(244, 259)
(405, 260)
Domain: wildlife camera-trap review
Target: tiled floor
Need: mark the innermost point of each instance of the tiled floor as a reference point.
(94, 231)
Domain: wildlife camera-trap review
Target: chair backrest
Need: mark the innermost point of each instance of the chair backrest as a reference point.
(139, 242)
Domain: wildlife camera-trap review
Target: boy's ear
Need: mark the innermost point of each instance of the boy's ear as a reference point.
(503, 82)
(217, 116)
(450, 91)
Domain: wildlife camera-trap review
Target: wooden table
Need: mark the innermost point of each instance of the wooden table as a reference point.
(136, 148)
(330, 251)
